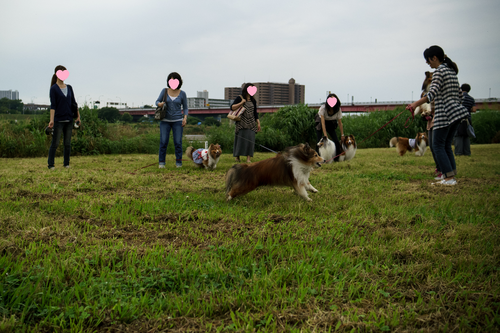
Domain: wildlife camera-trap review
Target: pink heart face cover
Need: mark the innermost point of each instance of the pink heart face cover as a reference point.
(62, 75)
(331, 101)
(252, 90)
(173, 83)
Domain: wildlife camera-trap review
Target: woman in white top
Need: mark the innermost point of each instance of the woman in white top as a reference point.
(327, 120)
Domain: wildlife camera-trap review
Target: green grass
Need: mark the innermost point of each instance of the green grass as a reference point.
(98, 249)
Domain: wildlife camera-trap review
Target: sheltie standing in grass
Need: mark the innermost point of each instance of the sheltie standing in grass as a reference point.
(328, 118)
(291, 167)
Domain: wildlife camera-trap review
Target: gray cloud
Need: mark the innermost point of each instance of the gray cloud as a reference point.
(124, 50)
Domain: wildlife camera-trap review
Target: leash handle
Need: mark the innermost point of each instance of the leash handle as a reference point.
(410, 108)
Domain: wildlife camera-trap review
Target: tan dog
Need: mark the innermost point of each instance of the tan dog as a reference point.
(426, 108)
(207, 158)
(349, 147)
(419, 144)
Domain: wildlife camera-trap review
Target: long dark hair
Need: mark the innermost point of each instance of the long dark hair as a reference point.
(439, 53)
(54, 77)
(175, 75)
(244, 91)
(331, 111)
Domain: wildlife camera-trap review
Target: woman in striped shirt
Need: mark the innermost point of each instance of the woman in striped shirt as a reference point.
(446, 94)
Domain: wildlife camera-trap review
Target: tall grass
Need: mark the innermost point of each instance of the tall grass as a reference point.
(287, 127)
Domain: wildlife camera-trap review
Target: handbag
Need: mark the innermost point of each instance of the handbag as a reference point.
(161, 111)
(74, 105)
(470, 130)
(236, 114)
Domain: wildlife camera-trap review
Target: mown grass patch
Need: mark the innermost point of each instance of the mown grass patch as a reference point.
(96, 248)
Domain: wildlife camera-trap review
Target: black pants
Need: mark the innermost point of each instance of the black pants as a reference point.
(330, 125)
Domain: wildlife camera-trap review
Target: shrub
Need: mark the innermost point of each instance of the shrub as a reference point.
(193, 120)
(211, 121)
(486, 125)
(109, 113)
(126, 118)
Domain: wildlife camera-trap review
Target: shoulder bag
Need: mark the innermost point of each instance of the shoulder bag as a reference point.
(236, 115)
(470, 130)
(74, 105)
(161, 111)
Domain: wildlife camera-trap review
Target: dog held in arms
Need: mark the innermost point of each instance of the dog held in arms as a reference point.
(207, 158)
(425, 109)
(420, 144)
(328, 151)
(291, 167)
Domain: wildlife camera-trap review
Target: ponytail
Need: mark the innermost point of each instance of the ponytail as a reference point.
(450, 64)
(54, 77)
(439, 53)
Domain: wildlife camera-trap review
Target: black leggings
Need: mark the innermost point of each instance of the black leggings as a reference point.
(330, 125)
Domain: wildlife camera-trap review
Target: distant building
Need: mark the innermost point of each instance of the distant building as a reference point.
(14, 95)
(202, 101)
(118, 105)
(269, 93)
(36, 107)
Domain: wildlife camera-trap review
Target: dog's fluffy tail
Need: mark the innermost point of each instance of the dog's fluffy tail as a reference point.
(393, 142)
(189, 152)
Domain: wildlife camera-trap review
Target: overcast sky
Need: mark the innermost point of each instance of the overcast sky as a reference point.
(123, 50)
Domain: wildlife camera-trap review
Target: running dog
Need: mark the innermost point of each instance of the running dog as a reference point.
(207, 158)
(420, 144)
(291, 167)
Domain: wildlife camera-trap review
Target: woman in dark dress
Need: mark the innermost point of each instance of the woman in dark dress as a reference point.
(247, 127)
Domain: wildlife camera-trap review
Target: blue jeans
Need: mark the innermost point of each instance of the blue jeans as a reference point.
(65, 129)
(177, 129)
(441, 145)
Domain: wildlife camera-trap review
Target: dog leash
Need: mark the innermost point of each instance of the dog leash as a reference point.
(258, 144)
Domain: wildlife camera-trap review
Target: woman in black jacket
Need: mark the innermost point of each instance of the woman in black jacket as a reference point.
(61, 115)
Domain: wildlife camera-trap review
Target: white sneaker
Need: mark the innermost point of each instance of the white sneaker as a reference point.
(52, 168)
(66, 166)
(450, 182)
(161, 166)
(440, 177)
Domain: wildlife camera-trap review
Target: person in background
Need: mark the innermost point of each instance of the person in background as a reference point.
(327, 120)
(446, 94)
(61, 117)
(247, 127)
(175, 119)
(462, 141)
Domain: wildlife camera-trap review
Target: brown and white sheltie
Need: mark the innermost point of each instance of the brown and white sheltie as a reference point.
(426, 108)
(288, 168)
(420, 144)
(327, 149)
(207, 158)
(349, 147)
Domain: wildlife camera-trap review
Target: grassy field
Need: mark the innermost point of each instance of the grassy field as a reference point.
(380, 248)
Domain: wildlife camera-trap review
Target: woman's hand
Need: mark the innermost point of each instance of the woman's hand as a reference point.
(51, 124)
(184, 121)
(161, 104)
(258, 126)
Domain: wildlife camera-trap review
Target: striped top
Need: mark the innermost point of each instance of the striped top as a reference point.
(446, 94)
(468, 101)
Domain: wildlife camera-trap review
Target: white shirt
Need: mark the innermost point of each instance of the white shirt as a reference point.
(322, 112)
